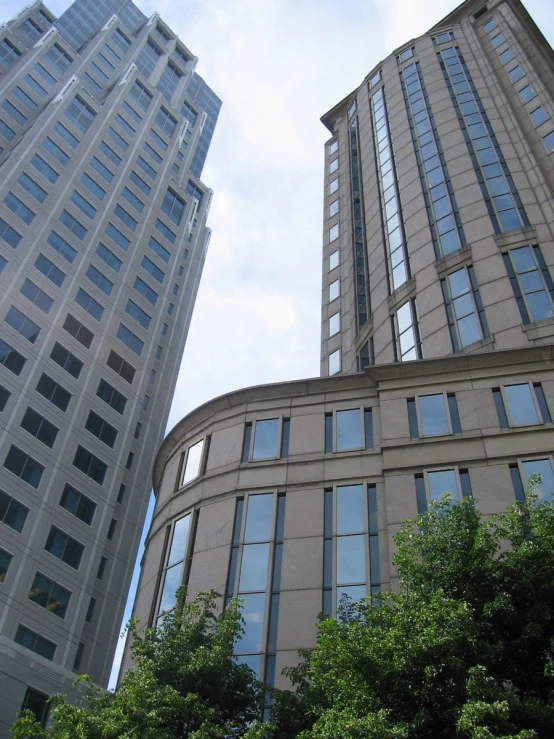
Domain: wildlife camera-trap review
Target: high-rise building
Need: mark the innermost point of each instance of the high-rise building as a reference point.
(104, 130)
(437, 346)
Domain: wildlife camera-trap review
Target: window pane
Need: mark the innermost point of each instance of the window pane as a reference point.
(442, 482)
(350, 509)
(179, 541)
(521, 405)
(544, 468)
(258, 518)
(348, 429)
(265, 439)
(354, 592)
(253, 613)
(193, 462)
(171, 583)
(433, 414)
(350, 559)
(253, 571)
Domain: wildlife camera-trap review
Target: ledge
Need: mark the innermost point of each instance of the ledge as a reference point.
(401, 294)
(540, 329)
(459, 258)
(518, 237)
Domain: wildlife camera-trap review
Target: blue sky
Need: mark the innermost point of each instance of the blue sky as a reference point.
(278, 65)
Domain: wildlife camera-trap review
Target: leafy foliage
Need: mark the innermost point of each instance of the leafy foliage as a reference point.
(185, 684)
(463, 649)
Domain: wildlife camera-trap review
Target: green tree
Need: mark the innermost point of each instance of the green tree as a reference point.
(463, 649)
(185, 683)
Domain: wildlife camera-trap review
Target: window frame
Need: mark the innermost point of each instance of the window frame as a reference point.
(445, 394)
(443, 468)
(508, 411)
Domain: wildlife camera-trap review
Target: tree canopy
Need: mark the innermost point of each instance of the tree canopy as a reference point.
(185, 683)
(463, 649)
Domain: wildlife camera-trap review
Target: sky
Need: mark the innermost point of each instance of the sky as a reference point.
(278, 66)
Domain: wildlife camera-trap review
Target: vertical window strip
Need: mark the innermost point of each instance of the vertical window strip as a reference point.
(405, 325)
(374, 558)
(174, 565)
(233, 559)
(464, 309)
(398, 265)
(444, 219)
(271, 646)
(327, 605)
(531, 282)
(359, 240)
(499, 191)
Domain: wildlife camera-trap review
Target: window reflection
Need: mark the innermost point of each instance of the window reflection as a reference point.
(521, 405)
(349, 434)
(544, 468)
(433, 414)
(172, 575)
(442, 482)
(253, 571)
(192, 466)
(350, 509)
(265, 439)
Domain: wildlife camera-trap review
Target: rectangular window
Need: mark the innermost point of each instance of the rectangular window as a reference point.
(173, 207)
(117, 139)
(24, 466)
(349, 429)
(129, 130)
(5, 560)
(149, 266)
(34, 189)
(5, 131)
(98, 279)
(49, 595)
(531, 282)
(174, 565)
(132, 198)
(73, 225)
(90, 465)
(83, 204)
(406, 331)
(39, 427)
(129, 462)
(146, 60)
(102, 170)
(158, 249)
(12, 512)
(14, 112)
(140, 183)
(110, 154)
(78, 656)
(80, 332)
(4, 397)
(133, 310)
(521, 405)
(121, 367)
(100, 428)
(64, 547)
(101, 568)
(19, 208)
(45, 74)
(121, 493)
(36, 643)
(516, 73)
(117, 236)
(9, 234)
(128, 338)
(146, 291)
(165, 122)
(88, 303)
(111, 396)
(140, 95)
(125, 217)
(68, 137)
(8, 54)
(67, 361)
(37, 296)
(11, 359)
(433, 415)
(168, 81)
(93, 187)
(522, 471)
(109, 257)
(150, 171)
(55, 151)
(120, 41)
(45, 169)
(152, 153)
(466, 315)
(62, 246)
(54, 392)
(23, 325)
(80, 114)
(49, 270)
(452, 482)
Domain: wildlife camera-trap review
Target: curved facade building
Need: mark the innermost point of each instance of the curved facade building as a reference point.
(438, 317)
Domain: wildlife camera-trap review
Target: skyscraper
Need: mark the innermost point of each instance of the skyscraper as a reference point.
(104, 130)
(437, 356)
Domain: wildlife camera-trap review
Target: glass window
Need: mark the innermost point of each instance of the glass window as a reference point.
(333, 208)
(333, 166)
(531, 282)
(12, 512)
(334, 362)
(23, 325)
(333, 260)
(45, 169)
(466, 316)
(350, 509)
(521, 404)
(32, 187)
(527, 93)
(90, 465)
(441, 482)
(64, 547)
(80, 114)
(408, 346)
(19, 208)
(334, 290)
(67, 361)
(121, 367)
(37, 296)
(433, 415)
(542, 467)
(5, 560)
(36, 643)
(265, 439)
(193, 461)
(49, 595)
(11, 359)
(53, 392)
(24, 466)
(548, 141)
(333, 186)
(506, 56)
(334, 324)
(39, 427)
(349, 433)
(516, 73)
(333, 146)
(539, 115)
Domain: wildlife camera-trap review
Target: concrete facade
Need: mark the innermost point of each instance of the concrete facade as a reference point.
(102, 243)
(437, 356)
